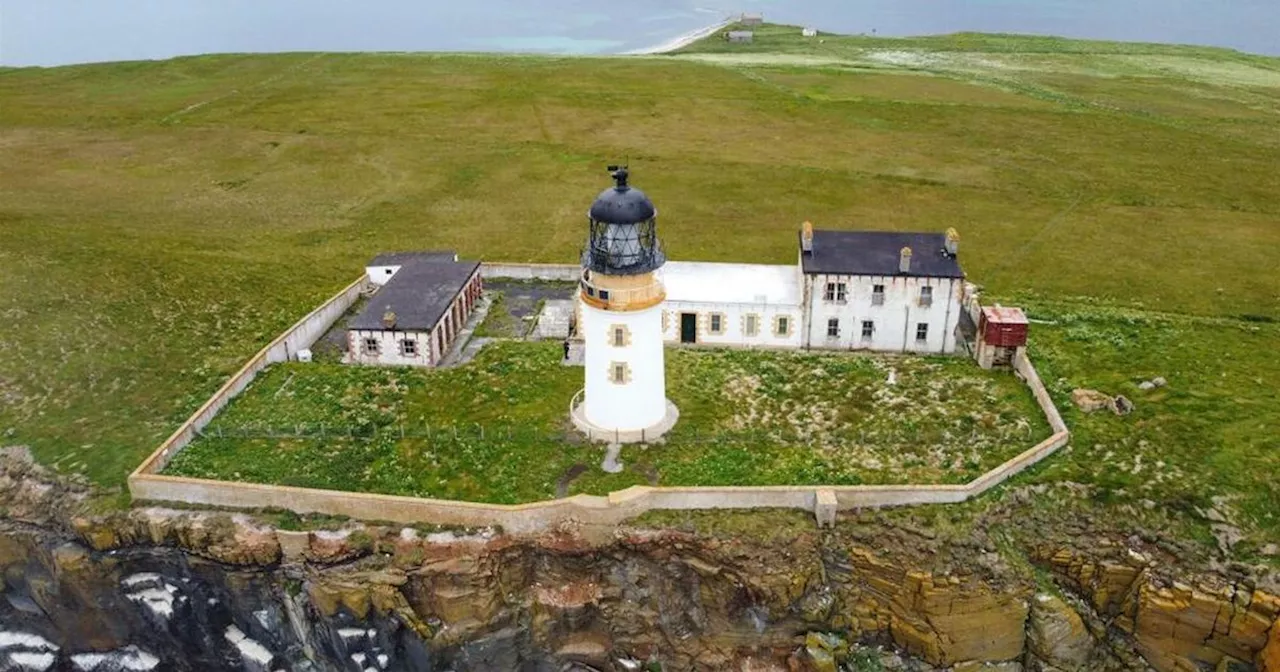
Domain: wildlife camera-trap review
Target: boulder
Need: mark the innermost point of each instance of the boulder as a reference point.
(1121, 405)
(1090, 400)
(1159, 381)
(1056, 634)
(1146, 386)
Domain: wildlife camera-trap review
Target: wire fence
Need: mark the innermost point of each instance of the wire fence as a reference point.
(902, 435)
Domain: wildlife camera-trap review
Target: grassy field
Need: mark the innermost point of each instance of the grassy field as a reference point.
(497, 429)
(160, 221)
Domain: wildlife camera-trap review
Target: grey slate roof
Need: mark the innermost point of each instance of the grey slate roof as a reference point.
(399, 258)
(876, 253)
(419, 293)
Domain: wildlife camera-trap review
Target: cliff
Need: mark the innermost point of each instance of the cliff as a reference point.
(186, 590)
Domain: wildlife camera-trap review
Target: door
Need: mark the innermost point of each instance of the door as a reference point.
(688, 327)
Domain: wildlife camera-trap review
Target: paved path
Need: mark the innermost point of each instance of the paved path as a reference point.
(462, 351)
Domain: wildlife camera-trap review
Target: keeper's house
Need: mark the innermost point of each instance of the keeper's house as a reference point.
(421, 302)
(881, 290)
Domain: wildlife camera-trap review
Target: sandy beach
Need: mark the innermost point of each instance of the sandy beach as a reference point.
(684, 40)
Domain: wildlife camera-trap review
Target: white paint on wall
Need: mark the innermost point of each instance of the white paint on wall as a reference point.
(734, 324)
(391, 349)
(895, 321)
(640, 402)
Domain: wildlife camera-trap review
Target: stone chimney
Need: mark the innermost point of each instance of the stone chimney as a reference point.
(389, 319)
(952, 246)
(806, 238)
(904, 260)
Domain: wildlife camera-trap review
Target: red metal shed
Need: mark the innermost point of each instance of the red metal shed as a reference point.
(1003, 327)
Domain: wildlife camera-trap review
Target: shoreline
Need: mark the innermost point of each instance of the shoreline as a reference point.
(683, 40)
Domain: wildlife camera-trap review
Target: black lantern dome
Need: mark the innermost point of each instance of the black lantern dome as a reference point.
(624, 233)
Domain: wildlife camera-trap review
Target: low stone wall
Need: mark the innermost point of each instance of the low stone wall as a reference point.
(146, 483)
(568, 272)
(300, 336)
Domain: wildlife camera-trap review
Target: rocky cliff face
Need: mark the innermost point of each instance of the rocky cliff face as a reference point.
(159, 589)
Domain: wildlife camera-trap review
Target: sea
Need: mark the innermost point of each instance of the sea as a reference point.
(59, 32)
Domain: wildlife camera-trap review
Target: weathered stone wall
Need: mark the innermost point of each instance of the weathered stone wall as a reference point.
(147, 485)
(301, 335)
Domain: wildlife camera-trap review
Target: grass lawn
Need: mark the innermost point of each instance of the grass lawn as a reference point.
(161, 221)
(747, 417)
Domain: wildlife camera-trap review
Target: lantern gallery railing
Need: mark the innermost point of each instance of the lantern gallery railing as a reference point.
(607, 297)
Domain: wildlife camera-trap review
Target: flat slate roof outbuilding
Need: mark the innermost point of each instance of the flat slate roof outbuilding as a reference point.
(877, 253)
(420, 293)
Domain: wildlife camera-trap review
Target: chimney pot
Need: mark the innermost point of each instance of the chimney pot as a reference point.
(952, 246)
(389, 319)
(904, 260)
(806, 237)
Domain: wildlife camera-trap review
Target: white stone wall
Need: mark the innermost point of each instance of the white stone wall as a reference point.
(389, 350)
(894, 322)
(734, 323)
(641, 401)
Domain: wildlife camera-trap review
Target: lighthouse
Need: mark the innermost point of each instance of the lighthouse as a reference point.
(621, 293)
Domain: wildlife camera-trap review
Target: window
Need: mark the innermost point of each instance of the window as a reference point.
(715, 323)
(371, 346)
(868, 328)
(409, 347)
(389, 271)
(751, 327)
(836, 291)
(619, 336)
(926, 296)
(782, 326)
(877, 295)
(619, 373)
(830, 294)
(922, 331)
(604, 295)
(833, 328)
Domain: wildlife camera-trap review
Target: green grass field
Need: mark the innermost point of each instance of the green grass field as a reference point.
(497, 429)
(160, 221)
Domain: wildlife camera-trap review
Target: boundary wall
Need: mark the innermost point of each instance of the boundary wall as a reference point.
(568, 272)
(300, 336)
(147, 484)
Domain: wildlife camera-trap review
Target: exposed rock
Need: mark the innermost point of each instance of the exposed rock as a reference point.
(1269, 657)
(1090, 400)
(1159, 381)
(1121, 405)
(1146, 386)
(1056, 634)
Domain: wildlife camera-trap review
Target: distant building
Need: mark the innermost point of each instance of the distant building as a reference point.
(740, 36)
(422, 301)
(809, 32)
(752, 19)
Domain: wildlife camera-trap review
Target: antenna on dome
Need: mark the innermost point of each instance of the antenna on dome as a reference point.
(620, 175)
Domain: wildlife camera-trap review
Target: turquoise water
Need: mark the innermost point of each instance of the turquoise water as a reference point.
(54, 32)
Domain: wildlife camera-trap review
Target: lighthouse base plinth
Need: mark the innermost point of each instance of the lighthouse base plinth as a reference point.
(595, 432)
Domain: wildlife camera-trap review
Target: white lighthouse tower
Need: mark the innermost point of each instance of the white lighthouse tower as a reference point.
(624, 399)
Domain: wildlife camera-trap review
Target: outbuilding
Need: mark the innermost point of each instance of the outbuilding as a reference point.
(422, 301)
